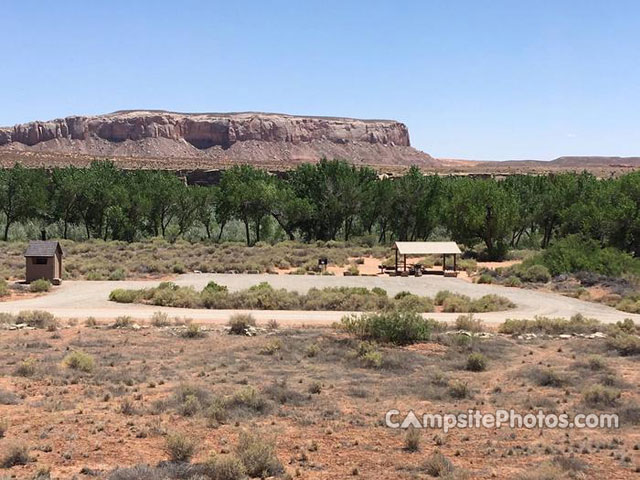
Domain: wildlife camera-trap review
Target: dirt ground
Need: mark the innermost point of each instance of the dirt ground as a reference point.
(323, 407)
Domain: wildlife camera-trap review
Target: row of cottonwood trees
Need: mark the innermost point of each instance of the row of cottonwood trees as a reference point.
(327, 201)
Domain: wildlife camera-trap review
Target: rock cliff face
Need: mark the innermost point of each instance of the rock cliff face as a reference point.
(209, 130)
(246, 137)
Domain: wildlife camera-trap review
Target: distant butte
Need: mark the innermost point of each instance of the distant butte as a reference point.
(275, 141)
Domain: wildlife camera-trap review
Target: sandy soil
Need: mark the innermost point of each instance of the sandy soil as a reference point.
(75, 422)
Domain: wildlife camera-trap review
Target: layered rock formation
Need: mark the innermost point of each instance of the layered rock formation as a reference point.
(228, 137)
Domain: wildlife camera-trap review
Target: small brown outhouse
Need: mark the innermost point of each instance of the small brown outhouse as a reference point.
(44, 260)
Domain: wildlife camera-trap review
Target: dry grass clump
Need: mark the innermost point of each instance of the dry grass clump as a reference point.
(412, 440)
(4, 288)
(37, 319)
(456, 303)
(40, 286)
(180, 447)
(80, 361)
(599, 396)
(551, 326)
(437, 465)
(476, 362)
(16, 454)
(392, 326)
(258, 456)
(625, 344)
(240, 323)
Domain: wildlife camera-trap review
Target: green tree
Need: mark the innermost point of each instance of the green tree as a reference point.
(483, 210)
(23, 195)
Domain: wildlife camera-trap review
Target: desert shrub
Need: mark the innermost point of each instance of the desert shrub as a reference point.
(17, 454)
(476, 362)
(160, 319)
(40, 285)
(459, 390)
(469, 265)
(315, 388)
(468, 323)
(455, 303)
(485, 278)
(213, 287)
(4, 426)
(121, 295)
(7, 318)
(414, 303)
(379, 291)
(625, 344)
(4, 288)
(437, 465)
(575, 254)
(179, 447)
(535, 274)
(490, 303)
(26, 368)
(240, 323)
(544, 471)
(393, 326)
(123, 321)
(627, 326)
(118, 275)
(91, 322)
(8, 398)
(224, 467)
(38, 319)
(546, 377)
(247, 400)
(551, 326)
(271, 347)
(258, 456)
(369, 355)
(441, 296)
(596, 362)
(412, 440)
(513, 281)
(193, 331)
(311, 350)
(629, 304)
(599, 396)
(80, 361)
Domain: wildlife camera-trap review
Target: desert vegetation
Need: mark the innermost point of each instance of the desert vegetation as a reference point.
(264, 297)
(121, 403)
(331, 200)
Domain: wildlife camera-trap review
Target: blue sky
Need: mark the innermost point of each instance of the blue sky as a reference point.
(471, 79)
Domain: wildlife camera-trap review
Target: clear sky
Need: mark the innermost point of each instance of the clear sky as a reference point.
(471, 79)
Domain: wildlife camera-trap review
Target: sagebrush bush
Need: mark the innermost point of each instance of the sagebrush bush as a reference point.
(37, 319)
(180, 447)
(16, 454)
(121, 295)
(599, 396)
(26, 368)
(193, 331)
(393, 326)
(551, 326)
(437, 465)
(224, 467)
(240, 323)
(469, 323)
(39, 286)
(160, 319)
(412, 440)
(4, 426)
(80, 361)
(476, 362)
(625, 344)
(258, 456)
(4, 288)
